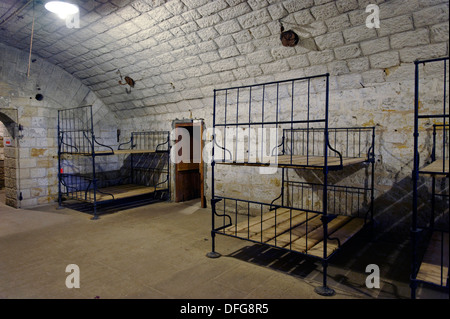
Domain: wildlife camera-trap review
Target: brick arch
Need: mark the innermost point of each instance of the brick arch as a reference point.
(9, 123)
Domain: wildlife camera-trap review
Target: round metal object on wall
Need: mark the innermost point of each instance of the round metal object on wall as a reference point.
(289, 38)
(129, 81)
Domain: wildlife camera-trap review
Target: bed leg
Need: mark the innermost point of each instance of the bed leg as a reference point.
(413, 286)
(324, 290)
(95, 217)
(213, 253)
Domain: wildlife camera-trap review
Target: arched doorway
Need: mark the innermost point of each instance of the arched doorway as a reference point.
(8, 132)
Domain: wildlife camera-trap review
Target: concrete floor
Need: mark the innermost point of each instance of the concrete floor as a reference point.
(158, 251)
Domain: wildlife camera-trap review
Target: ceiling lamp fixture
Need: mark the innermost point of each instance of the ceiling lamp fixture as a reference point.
(61, 8)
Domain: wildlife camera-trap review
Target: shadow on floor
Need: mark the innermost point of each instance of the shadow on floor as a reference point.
(110, 207)
(281, 260)
(347, 268)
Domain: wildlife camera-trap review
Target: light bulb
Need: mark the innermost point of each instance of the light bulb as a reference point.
(61, 9)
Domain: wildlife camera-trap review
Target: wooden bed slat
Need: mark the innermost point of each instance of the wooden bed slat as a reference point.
(317, 160)
(109, 152)
(303, 244)
(242, 227)
(133, 151)
(298, 217)
(121, 191)
(436, 166)
(430, 268)
(344, 233)
(253, 225)
(298, 231)
(301, 160)
(304, 233)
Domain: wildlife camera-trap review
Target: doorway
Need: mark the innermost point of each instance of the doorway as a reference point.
(10, 155)
(189, 166)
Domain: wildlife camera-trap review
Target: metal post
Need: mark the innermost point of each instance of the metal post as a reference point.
(213, 253)
(324, 290)
(372, 182)
(168, 166)
(131, 160)
(59, 163)
(445, 112)
(282, 186)
(415, 178)
(433, 200)
(94, 180)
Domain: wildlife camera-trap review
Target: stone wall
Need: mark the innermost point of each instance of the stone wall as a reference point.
(371, 83)
(35, 155)
(208, 45)
(8, 117)
(2, 156)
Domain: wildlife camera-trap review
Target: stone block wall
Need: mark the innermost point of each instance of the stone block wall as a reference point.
(9, 118)
(2, 156)
(34, 178)
(371, 82)
(198, 46)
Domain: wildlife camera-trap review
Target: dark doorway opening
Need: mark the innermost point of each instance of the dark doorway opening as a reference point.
(189, 171)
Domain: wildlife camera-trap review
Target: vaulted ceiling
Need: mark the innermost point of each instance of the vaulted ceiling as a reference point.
(176, 50)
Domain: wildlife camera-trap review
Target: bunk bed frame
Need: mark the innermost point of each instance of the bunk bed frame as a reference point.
(430, 227)
(82, 159)
(313, 219)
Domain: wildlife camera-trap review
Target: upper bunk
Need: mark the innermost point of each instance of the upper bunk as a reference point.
(304, 147)
(430, 225)
(431, 117)
(437, 164)
(76, 137)
(285, 124)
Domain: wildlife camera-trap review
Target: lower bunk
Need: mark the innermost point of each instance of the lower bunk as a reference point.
(302, 225)
(121, 192)
(434, 266)
(94, 193)
(297, 230)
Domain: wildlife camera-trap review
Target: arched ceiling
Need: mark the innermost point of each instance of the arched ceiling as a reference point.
(176, 50)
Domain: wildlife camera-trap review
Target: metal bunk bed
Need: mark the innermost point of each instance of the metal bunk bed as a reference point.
(284, 125)
(94, 173)
(430, 224)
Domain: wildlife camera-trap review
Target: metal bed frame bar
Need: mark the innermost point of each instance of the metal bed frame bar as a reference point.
(417, 229)
(270, 111)
(77, 139)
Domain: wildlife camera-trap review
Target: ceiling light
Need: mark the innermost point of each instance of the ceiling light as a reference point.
(61, 8)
